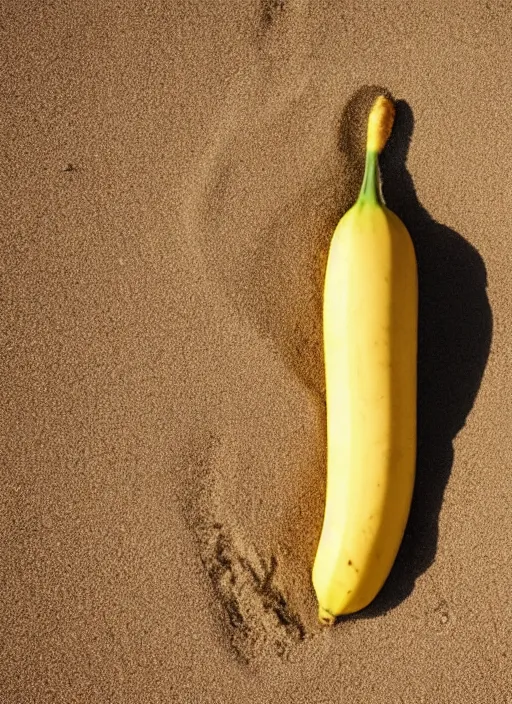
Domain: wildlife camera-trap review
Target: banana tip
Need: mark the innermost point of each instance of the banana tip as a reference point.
(325, 617)
(380, 123)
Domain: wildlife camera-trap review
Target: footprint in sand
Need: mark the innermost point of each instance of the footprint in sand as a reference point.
(257, 498)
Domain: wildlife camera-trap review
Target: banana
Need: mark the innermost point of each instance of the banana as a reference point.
(370, 314)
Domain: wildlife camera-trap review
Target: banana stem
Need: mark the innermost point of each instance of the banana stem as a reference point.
(370, 189)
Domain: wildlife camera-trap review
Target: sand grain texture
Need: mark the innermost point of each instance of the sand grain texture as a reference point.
(171, 175)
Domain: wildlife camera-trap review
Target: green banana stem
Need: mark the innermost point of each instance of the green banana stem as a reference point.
(370, 189)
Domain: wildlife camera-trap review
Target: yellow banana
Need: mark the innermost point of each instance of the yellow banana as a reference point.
(370, 350)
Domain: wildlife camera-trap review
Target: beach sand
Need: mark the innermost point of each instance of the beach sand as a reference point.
(172, 173)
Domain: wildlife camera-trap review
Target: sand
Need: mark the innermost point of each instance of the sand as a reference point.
(171, 176)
